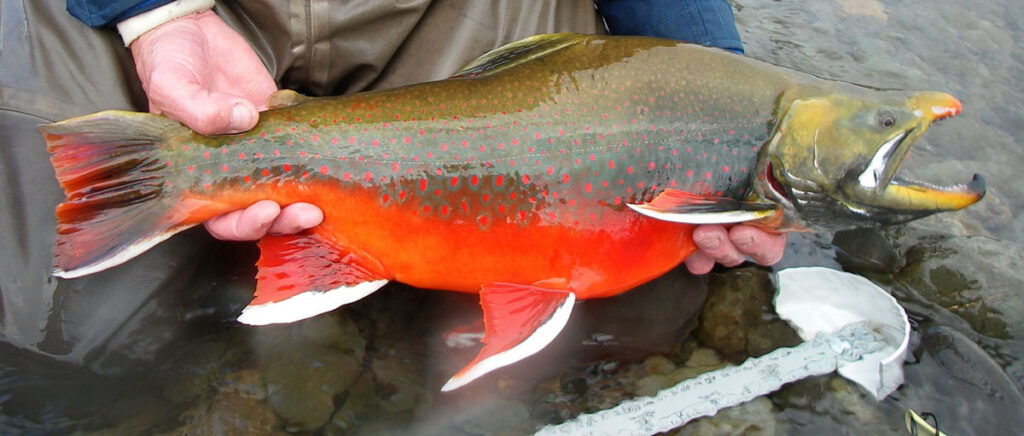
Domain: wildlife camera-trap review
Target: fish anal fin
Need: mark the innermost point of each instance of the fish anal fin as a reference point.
(305, 274)
(284, 98)
(519, 320)
(685, 207)
(515, 53)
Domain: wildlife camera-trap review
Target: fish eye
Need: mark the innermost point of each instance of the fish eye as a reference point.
(886, 119)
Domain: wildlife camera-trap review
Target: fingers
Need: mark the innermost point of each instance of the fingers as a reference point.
(248, 224)
(263, 217)
(732, 247)
(763, 247)
(714, 241)
(297, 217)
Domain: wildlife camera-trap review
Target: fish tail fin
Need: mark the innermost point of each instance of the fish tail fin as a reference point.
(119, 189)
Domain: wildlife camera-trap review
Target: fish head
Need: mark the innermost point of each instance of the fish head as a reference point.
(832, 159)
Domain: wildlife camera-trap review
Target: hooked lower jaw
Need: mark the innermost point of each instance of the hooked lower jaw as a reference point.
(878, 188)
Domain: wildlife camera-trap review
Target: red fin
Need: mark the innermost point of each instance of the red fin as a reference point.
(306, 274)
(686, 207)
(519, 320)
(119, 202)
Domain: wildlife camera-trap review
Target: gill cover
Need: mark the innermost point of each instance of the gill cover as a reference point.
(831, 162)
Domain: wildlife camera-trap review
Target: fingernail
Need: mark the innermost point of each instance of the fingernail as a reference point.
(743, 242)
(710, 242)
(241, 118)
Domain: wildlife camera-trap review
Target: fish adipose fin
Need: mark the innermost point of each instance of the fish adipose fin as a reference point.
(519, 320)
(120, 195)
(684, 207)
(306, 274)
(284, 98)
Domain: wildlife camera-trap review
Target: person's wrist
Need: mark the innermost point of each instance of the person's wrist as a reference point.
(133, 27)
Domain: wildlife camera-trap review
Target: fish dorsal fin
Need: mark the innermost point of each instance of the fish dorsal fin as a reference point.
(519, 320)
(306, 274)
(685, 207)
(515, 53)
(284, 98)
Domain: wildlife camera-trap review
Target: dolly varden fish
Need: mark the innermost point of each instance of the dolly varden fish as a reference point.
(556, 168)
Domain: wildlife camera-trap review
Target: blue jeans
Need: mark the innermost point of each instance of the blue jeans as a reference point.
(705, 22)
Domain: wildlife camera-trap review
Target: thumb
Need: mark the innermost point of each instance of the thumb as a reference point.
(211, 113)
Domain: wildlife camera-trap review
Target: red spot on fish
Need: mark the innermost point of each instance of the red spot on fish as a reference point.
(444, 209)
(486, 197)
(588, 187)
(323, 169)
(629, 169)
(190, 168)
(455, 181)
(474, 179)
(707, 175)
(423, 184)
(265, 172)
(305, 174)
(483, 220)
(401, 195)
(499, 180)
(426, 209)
(277, 153)
(650, 166)
(206, 155)
(246, 179)
(368, 176)
(385, 198)
(464, 206)
(375, 142)
(551, 170)
(725, 168)
(689, 174)
(437, 192)
(672, 183)
(565, 178)
(224, 168)
(611, 164)
(526, 179)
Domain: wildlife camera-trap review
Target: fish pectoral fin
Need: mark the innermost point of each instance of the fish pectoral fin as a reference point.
(516, 53)
(284, 98)
(305, 274)
(685, 207)
(519, 320)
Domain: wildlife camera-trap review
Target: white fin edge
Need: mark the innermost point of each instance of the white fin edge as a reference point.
(728, 217)
(540, 338)
(118, 258)
(307, 304)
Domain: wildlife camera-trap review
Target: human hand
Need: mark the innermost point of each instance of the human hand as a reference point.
(730, 247)
(264, 217)
(197, 70)
(200, 72)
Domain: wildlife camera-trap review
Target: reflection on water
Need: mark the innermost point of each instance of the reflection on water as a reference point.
(376, 367)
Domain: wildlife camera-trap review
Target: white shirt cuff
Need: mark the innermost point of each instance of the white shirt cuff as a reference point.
(134, 27)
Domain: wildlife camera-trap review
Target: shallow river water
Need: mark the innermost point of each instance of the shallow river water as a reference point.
(375, 367)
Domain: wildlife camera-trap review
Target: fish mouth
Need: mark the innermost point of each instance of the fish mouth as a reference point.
(877, 191)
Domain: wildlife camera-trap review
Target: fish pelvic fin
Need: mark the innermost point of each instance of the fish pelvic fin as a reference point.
(306, 274)
(120, 198)
(684, 207)
(519, 321)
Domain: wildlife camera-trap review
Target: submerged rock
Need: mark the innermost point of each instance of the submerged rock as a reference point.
(738, 320)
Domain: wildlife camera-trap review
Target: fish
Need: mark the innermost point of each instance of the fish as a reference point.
(557, 168)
